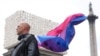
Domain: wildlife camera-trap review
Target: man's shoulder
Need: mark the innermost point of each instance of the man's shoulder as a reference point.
(31, 39)
(31, 36)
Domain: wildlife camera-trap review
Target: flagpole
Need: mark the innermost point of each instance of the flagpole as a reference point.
(91, 19)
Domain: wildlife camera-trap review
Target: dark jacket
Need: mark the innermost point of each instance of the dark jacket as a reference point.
(28, 46)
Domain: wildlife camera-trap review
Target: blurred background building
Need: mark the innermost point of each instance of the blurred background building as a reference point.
(39, 26)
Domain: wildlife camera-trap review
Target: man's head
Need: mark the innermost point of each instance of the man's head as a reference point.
(23, 28)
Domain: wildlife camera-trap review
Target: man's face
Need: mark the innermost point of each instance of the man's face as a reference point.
(20, 29)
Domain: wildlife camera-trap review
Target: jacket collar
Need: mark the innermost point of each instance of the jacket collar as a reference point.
(21, 36)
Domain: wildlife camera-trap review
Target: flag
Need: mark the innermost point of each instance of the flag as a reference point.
(59, 38)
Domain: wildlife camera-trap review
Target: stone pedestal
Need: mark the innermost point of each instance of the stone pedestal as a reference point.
(43, 52)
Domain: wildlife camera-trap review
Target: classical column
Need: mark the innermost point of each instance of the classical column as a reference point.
(91, 19)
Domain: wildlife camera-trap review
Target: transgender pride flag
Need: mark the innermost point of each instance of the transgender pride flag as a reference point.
(59, 38)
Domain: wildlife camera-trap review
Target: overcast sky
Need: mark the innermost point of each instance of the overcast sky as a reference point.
(55, 10)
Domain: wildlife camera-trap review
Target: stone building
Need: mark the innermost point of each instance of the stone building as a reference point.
(38, 26)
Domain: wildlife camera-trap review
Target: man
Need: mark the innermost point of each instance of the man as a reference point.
(28, 45)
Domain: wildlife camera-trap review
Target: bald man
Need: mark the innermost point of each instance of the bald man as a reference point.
(28, 44)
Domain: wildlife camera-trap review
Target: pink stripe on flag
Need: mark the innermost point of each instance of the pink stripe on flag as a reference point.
(56, 31)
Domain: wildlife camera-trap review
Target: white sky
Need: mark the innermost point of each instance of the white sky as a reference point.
(56, 10)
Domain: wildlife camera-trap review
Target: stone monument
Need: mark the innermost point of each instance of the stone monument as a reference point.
(91, 18)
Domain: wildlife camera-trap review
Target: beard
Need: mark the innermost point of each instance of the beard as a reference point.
(19, 33)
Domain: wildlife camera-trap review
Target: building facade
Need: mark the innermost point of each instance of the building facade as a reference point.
(39, 26)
